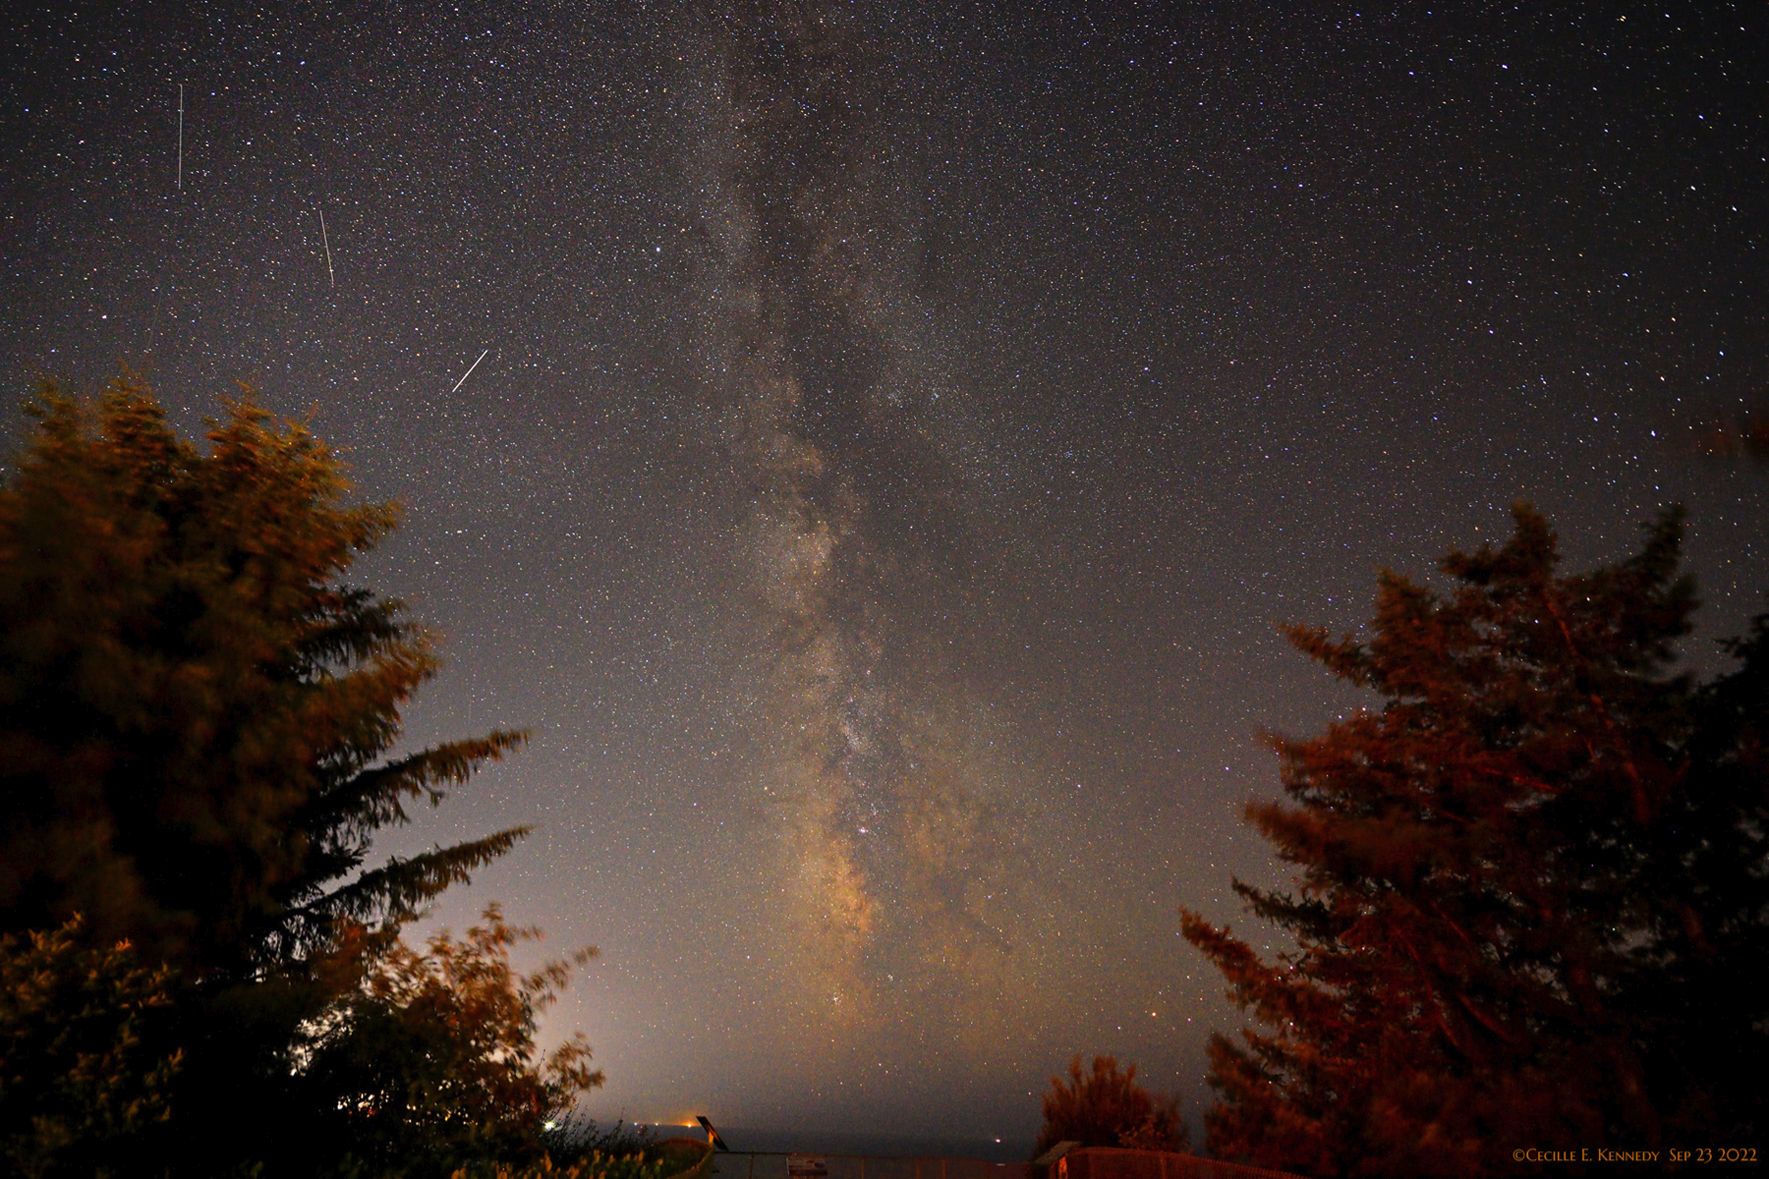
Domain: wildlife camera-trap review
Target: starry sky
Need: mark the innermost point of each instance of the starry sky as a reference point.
(894, 434)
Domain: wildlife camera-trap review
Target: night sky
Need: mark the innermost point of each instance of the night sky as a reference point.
(899, 432)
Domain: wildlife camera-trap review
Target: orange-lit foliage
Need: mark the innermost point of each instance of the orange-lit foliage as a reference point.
(199, 740)
(1104, 1106)
(78, 1079)
(194, 706)
(433, 1055)
(1503, 883)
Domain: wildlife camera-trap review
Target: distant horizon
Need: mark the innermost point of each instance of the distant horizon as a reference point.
(858, 1143)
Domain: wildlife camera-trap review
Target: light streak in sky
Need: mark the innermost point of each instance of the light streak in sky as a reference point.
(330, 277)
(469, 371)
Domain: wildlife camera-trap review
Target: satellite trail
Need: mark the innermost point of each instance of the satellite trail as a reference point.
(181, 137)
(327, 243)
(469, 372)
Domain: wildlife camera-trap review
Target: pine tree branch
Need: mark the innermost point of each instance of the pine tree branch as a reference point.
(371, 798)
(396, 891)
(1630, 769)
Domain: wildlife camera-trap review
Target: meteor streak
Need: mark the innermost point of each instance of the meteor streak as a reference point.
(327, 242)
(469, 371)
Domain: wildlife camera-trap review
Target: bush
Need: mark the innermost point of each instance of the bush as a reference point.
(78, 1074)
(574, 1136)
(433, 1060)
(595, 1165)
(1106, 1107)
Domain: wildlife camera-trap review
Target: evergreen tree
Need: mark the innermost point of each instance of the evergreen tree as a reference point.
(197, 714)
(1698, 992)
(196, 709)
(1493, 894)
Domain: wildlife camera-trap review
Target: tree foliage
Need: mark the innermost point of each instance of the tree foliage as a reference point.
(593, 1164)
(1698, 993)
(430, 1056)
(79, 1081)
(1103, 1105)
(1504, 874)
(196, 708)
(199, 717)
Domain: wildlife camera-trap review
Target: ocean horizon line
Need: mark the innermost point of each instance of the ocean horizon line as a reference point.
(743, 1139)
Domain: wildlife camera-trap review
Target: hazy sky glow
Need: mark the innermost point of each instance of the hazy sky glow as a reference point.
(898, 432)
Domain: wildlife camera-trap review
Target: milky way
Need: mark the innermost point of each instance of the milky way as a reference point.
(902, 835)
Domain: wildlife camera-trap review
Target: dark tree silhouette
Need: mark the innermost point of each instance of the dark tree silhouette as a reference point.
(197, 714)
(1505, 873)
(195, 708)
(1104, 1106)
(1698, 993)
(80, 1080)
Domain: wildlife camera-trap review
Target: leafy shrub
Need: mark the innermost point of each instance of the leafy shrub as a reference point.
(78, 1075)
(595, 1165)
(574, 1136)
(432, 1059)
(1106, 1107)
